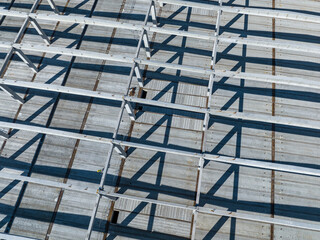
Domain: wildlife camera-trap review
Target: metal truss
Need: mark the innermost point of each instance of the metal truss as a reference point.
(127, 101)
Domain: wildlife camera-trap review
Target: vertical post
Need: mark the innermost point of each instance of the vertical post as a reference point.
(146, 43)
(138, 74)
(154, 14)
(53, 6)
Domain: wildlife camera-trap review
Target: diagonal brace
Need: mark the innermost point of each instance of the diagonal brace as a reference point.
(154, 14)
(53, 6)
(26, 60)
(40, 31)
(138, 74)
(130, 111)
(120, 150)
(146, 43)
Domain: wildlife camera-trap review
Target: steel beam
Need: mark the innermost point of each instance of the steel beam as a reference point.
(210, 157)
(229, 114)
(252, 41)
(4, 236)
(49, 183)
(277, 14)
(203, 210)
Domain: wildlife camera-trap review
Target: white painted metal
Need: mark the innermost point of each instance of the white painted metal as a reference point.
(153, 14)
(120, 151)
(54, 132)
(40, 31)
(263, 42)
(4, 236)
(130, 111)
(204, 210)
(53, 6)
(11, 93)
(49, 183)
(138, 75)
(146, 43)
(26, 60)
(115, 133)
(235, 115)
(277, 14)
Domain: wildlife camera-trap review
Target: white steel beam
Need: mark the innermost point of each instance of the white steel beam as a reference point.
(262, 42)
(203, 210)
(277, 14)
(49, 183)
(229, 114)
(4, 236)
(210, 157)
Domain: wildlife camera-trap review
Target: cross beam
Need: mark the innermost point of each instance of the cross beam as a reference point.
(116, 196)
(277, 14)
(296, 122)
(260, 42)
(292, 81)
(210, 157)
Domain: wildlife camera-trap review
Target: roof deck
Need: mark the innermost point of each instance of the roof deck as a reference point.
(166, 119)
